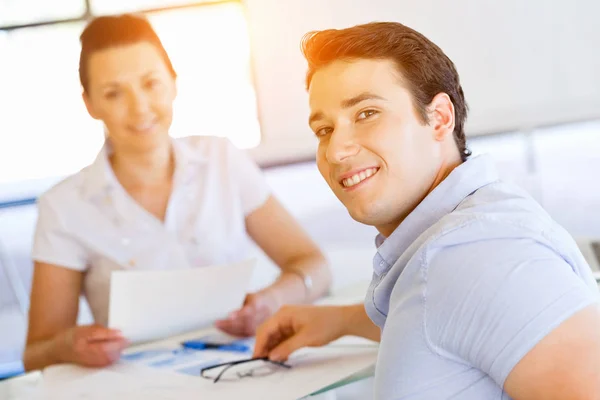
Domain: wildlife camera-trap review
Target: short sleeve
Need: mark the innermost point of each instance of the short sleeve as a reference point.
(248, 178)
(489, 302)
(52, 243)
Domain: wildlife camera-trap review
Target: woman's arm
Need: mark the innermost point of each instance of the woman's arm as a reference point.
(53, 309)
(282, 238)
(52, 335)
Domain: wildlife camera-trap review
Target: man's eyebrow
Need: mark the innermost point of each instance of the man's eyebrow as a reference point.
(361, 97)
(315, 117)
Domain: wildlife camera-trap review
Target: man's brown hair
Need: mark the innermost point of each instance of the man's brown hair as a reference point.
(425, 69)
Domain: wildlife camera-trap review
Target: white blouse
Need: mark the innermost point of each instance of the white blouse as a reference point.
(89, 223)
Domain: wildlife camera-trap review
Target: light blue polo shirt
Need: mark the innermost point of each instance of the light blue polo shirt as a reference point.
(468, 284)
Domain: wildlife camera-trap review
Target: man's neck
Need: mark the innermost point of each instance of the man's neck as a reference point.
(445, 169)
(134, 170)
(447, 166)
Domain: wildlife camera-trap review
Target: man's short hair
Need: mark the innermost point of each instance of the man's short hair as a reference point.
(425, 69)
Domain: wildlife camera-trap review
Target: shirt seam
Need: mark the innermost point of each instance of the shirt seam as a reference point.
(548, 329)
(425, 267)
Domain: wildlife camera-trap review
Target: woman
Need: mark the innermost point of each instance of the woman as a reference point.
(151, 202)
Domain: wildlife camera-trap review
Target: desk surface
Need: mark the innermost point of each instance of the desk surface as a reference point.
(23, 386)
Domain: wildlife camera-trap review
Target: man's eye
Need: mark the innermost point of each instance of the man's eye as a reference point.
(366, 114)
(323, 132)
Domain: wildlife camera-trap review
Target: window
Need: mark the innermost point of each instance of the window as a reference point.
(44, 127)
(45, 130)
(19, 12)
(215, 92)
(120, 6)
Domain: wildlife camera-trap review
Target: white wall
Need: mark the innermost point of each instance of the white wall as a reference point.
(523, 63)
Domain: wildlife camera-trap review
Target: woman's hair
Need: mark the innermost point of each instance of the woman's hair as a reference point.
(113, 31)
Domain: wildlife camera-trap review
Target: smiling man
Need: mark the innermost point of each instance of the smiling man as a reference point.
(476, 293)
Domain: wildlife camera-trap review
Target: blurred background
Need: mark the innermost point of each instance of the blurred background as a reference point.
(530, 72)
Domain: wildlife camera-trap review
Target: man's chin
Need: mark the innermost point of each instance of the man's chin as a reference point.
(361, 215)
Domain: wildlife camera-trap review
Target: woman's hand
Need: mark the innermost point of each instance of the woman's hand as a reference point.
(90, 345)
(258, 307)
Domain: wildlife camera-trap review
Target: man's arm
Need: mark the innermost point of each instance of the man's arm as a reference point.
(294, 327)
(517, 311)
(564, 365)
(359, 323)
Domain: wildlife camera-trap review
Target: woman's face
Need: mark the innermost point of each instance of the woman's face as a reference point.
(131, 90)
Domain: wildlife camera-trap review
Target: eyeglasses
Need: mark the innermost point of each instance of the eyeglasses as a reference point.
(247, 368)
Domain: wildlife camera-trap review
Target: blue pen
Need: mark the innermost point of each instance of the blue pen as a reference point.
(200, 345)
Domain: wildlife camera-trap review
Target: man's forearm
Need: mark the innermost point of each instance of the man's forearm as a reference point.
(359, 323)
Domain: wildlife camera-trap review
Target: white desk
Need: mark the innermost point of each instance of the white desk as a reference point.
(23, 387)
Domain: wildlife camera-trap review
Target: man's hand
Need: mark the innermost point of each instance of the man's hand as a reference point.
(294, 327)
(244, 322)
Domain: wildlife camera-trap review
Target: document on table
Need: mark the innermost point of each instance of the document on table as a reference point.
(150, 305)
(164, 304)
(312, 370)
(118, 382)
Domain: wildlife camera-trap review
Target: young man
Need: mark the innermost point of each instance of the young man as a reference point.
(476, 293)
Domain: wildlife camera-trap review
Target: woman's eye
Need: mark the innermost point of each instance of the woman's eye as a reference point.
(152, 83)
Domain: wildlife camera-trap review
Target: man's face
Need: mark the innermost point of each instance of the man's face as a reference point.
(374, 151)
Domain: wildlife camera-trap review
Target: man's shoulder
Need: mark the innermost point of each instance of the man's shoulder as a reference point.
(499, 224)
(495, 219)
(495, 212)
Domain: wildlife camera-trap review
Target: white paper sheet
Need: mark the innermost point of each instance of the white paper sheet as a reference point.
(312, 370)
(118, 382)
(149, 305)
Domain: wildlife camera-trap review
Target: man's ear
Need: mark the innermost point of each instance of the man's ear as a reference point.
(441, 116)
(89, 106)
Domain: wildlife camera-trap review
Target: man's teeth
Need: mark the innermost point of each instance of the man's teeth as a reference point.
(358, 178)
